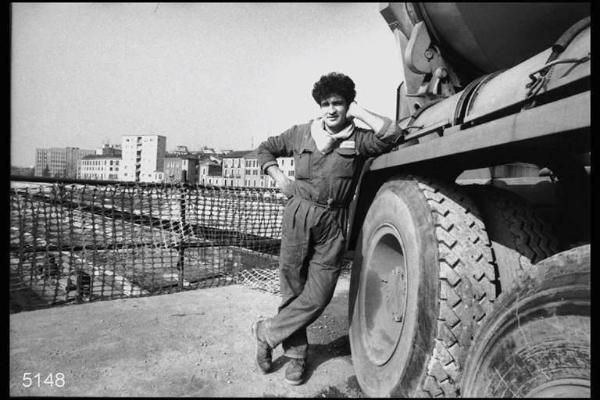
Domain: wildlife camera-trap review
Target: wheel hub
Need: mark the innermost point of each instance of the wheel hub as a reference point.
(383, 293)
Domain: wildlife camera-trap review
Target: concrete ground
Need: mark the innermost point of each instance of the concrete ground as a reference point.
(194, 343)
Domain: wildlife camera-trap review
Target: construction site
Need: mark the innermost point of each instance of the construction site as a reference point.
(466, 260)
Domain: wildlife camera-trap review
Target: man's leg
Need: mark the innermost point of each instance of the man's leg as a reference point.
(292, 277)
(293, 268)
(323, 272)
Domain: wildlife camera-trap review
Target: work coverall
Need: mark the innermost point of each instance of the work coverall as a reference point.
(313, 224)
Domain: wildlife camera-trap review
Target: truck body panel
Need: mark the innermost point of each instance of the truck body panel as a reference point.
(570, 116)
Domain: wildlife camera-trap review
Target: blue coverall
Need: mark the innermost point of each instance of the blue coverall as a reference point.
(313, 224)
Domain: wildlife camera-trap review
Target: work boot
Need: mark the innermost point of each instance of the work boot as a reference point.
(294, 373)
(264, 352)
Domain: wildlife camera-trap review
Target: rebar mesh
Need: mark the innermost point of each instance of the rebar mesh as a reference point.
(78, 242)
(266, 279)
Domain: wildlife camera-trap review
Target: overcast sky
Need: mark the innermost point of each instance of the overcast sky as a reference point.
(222, 75)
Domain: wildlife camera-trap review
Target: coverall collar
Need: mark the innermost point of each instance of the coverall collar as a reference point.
(307, 143)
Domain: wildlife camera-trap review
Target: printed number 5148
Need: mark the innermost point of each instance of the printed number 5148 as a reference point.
(30, 379)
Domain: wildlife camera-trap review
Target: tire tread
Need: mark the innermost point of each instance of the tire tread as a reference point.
(467, 287)
(516, 225)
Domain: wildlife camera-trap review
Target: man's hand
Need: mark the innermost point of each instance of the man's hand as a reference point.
(374, 121)
(353, 110)
(283, 182)
(287, 186)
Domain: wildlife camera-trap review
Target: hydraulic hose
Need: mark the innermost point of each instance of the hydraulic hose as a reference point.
(566, 38)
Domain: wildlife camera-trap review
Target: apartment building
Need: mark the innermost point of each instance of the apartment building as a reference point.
(181, 168)
(99, 167)
(210, 171)
(286, 164)
(253, 177)
(143, 158)
(233, 168)
(58, 162)
(108, 150)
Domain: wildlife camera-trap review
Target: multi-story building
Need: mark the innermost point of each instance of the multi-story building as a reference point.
(252, 171)
(99, 167)
(233, 168)
(143, 158)
(181, 168)
(210, 171)
(252, 175)
(286, 164)
(59, 162)
(108, 150)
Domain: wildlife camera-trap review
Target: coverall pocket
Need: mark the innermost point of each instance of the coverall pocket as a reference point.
(344, 163)
(302, 162)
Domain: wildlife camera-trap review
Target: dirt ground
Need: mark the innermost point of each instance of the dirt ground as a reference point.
(195, 343)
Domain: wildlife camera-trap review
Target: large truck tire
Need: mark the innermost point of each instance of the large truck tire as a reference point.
(536, 343)
(520, 236)
(422, 282)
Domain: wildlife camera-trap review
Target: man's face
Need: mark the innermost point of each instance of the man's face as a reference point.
(334, 109)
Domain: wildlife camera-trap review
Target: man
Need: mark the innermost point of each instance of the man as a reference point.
(327, 153)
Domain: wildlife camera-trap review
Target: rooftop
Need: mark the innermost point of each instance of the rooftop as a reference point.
(98, 156)
(181, 156)
(252, 155)
(237, 154)
(141, 135)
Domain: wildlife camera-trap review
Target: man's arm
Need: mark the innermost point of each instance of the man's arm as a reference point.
(282, 181)
(269, 150)
(374, 121)
(385, 132)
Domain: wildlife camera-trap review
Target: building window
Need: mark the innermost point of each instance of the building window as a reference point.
(290, 173)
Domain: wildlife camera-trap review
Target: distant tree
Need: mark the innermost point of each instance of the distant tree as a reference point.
(46, 172)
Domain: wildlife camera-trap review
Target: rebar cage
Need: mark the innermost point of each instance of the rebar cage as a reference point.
(78, 241)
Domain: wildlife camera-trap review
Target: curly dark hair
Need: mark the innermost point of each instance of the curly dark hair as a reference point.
(334, 83)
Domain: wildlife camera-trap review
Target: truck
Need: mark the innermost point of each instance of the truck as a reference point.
(470, 240)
